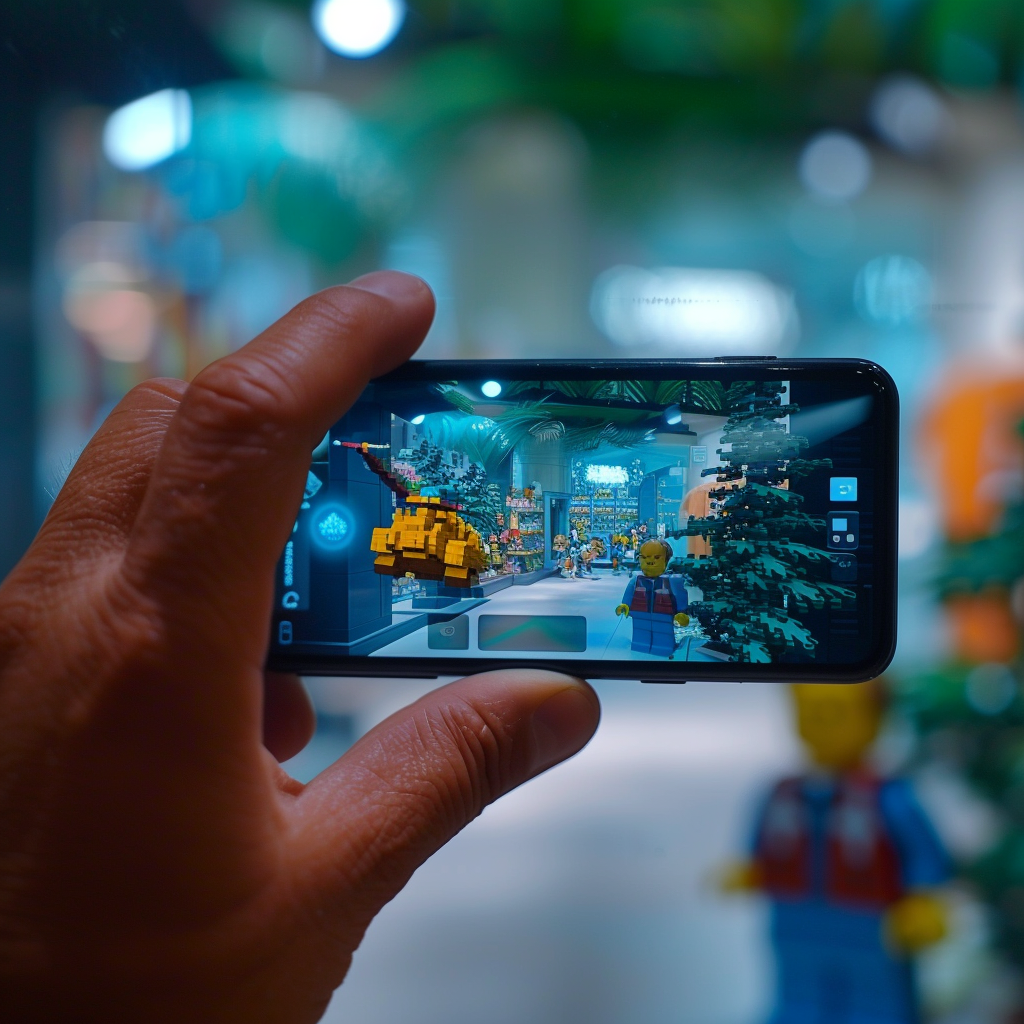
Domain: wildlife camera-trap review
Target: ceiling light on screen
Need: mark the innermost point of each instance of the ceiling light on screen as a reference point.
(608, 476)
(358, 28)
(417, 420)
(149, 130)
(689, 311)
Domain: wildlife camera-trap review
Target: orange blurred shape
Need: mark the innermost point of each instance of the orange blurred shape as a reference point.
(982, 627)
(973, 449)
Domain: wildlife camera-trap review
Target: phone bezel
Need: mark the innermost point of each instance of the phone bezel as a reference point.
(886, 408)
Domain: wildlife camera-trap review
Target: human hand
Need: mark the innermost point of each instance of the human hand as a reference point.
(156, 863)
(622, 609)
(917, 921)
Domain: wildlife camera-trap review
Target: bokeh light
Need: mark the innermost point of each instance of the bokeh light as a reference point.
(103, 301)
(991, 688)
(892, 291)
(149, 130)
(908, 114)
(684, 311)
(358, 28)
(835, 166)
(490, 389)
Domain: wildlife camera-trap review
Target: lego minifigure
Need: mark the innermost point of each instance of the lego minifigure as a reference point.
(849, 862)
(587, 561)
(655, 601)
(574, 561)
(616, 554)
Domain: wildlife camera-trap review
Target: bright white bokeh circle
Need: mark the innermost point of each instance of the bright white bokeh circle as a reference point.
(490, 389)
(149, 130)
(358, 28)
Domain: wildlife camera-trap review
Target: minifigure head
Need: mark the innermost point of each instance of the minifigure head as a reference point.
(654, 557)
(837, 722)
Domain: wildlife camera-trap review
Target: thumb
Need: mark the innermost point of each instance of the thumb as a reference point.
(421, 776)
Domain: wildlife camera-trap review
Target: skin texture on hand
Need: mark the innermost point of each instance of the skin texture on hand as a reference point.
(156, 863)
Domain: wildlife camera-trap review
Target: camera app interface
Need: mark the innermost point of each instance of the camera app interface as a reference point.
(622, 520)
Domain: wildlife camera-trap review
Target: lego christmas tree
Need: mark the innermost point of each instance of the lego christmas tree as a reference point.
(765, 565)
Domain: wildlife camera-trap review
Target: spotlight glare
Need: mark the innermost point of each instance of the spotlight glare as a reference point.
(149, 130)
(358, 28)
(490, 389)
(417, 420)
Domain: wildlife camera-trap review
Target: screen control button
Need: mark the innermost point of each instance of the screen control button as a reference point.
(843, 530)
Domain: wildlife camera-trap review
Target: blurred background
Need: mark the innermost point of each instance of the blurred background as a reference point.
(827, 177)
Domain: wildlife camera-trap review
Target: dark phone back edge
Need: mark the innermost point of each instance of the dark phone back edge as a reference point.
(654, 672)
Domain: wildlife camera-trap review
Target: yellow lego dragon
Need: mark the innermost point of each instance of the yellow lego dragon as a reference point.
(427, 539)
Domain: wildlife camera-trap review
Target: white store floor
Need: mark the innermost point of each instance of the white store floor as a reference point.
(595, 597)
(585, 895)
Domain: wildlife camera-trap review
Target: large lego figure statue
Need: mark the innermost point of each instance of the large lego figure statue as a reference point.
(654, 601)
(849, 862)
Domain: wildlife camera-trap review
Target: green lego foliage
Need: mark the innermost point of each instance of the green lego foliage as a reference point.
(764, 564)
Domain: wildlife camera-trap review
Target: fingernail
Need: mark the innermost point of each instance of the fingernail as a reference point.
(393, 285)
(561, 726)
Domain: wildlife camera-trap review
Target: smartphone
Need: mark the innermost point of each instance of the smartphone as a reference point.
(725, 519)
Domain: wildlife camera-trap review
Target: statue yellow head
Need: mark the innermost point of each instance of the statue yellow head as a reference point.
(654, 557)
(838, 722)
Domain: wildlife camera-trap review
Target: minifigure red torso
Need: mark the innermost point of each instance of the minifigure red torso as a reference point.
(861, 861)
(664, 602)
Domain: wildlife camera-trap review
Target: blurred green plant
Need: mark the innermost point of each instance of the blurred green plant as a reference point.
(627, 73)
(970, 719)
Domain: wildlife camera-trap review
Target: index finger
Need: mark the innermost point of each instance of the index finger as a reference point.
(228, 481)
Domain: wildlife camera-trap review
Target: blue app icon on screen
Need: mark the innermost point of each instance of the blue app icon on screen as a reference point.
(843, 488)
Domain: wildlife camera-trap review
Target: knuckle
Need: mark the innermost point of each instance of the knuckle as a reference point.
(337, 311)
(157, 391)
(249, 400)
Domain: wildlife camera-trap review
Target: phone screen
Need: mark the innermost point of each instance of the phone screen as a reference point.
(736, 519)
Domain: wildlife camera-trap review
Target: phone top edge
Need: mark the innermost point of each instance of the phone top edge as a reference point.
(731, 364)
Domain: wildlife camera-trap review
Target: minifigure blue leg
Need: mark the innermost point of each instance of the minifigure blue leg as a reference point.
(832, 984)
(641, 633)
(663, 637)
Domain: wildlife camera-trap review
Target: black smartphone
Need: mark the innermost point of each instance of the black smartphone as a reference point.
(725, 519)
